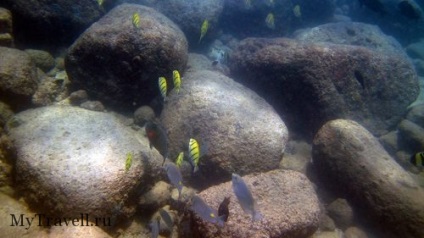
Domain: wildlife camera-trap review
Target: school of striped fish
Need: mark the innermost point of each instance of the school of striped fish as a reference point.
(158, 139)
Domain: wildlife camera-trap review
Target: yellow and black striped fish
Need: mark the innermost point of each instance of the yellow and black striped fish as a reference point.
(177, 80)
(136, 20)
(203, 29)
(162, 86)
(418, 159)
(179, 160)
(194, 154)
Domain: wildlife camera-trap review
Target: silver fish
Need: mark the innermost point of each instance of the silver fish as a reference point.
(166, 218)
(205, 212)
(174, 176)
(245, 198)
(155, 227)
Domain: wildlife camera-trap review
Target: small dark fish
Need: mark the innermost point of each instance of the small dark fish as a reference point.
(408, 10)
(223, 209)
(166, 218)
(174, 176)
(205, 212)
(155, 227)
(374, 5)
(157, 138)
(245, 198)
(418, 159)
(214, 63)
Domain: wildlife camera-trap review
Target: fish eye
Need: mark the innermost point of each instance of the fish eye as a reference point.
(212, 215)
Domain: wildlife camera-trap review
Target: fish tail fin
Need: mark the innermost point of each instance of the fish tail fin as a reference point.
(179, 194)
(221, 221)
(257, 216)
(195, 169)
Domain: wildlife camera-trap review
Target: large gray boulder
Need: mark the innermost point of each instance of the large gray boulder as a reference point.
(18, 78)
(310, 84)
(72, 161)
(352, 162)
(119, 63)
(286, 199)
(241, 130)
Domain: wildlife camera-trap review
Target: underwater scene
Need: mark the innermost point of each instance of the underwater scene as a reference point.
(212, 118)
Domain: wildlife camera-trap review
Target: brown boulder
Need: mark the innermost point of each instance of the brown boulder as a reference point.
(18, 78)
(120, 63)
(351, 161)
(310, 84)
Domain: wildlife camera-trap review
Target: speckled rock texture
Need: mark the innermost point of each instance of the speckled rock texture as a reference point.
(341, 212)
(18, 78)
(6, 29)
(91, 230)
(71, 161)
(5, 113)
(48, 23)
(411, 134)
(285, 198)
(50, 90)
(309, 84)
(350, 160)
(416, 115)
(42, 59)
(242, 132)
(189, 16)
(201, 62)
(119, 64)
(351, 33)
(10, 206)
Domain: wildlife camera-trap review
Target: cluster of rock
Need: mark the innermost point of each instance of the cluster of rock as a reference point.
(71, 156)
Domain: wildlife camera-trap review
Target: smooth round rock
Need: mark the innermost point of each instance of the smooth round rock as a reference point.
(241, 131)
(72, 161)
